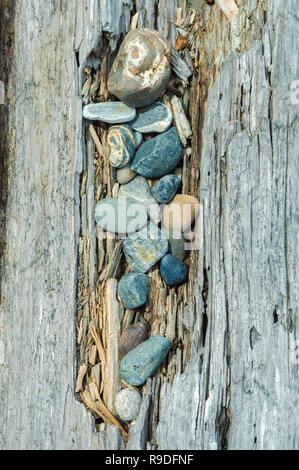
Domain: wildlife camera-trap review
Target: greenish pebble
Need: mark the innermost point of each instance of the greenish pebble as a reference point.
(143, 361)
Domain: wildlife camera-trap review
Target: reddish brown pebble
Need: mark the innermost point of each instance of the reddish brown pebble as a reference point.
(132, 336)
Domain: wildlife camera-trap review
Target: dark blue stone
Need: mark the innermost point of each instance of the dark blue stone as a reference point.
(133, 290)
(166, 188)
(158, 156)
(173, 270)
(141, 362)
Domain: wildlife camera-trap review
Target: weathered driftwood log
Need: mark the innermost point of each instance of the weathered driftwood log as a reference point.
(235, 325)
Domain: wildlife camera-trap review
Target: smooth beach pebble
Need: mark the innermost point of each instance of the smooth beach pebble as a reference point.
(177, 243)
(132, 336)
(121, 145)
(138, 139)
(156, 118)
(144, 248)
(113, 112)
(141, 70)
(139, 190)
(125, 174)
(127, 404)
(181, 213)
(173, 271)
(133, 289)
(142, 362)
(165, 189)
(121, 215)
(158, 156)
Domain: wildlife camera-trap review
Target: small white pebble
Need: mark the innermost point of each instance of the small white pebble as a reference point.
(127, 404)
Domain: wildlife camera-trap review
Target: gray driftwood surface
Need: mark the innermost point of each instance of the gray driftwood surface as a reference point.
(240, 388)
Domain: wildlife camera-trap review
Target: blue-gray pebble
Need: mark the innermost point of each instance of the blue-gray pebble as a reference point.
(121, 145)
(165, 189)
(156, 118)
(145, 248)
(143, 361)
(133, 290)
(158, 156)
(173, 270)
(111, 112)
(120, 215)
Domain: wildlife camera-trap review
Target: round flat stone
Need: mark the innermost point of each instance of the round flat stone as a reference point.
(113, 112)
(125, 174)
(121, 145)
(121, 215)
(132, 336)
(144, 248)
(127, 404)
(181, 213)
(138, 190)
(133, 289)
(156, 118)
(158, 156)
(177, 243)
(141, 70)
(165, 189)
(173, 271)
(143, 361)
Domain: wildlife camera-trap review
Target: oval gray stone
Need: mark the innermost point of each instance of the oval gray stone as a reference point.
(120, 215)
(127, 404)
(125, 174)
(143, 361)
(113, 112)
(144, 248)
(156, 118)
(121, 145)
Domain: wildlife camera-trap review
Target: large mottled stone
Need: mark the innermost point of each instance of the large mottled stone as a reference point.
(142, 362)
(132, 336)
(173, 271)
(127, 404)
(120, 215)
(133, 289)
(121, 145)
(158, 156)
(113, 112)
(139, 190)
(141, 70)
(144, 248)
(156, 118)
(165, 189)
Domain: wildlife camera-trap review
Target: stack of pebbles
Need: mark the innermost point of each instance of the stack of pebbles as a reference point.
(150, 218)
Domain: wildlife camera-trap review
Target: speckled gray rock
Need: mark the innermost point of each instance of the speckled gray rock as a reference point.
(141, 70)
(142, 362)
(113, 112)
(127, 404)
(165, 189)
(121, 145)
(139, 190)
(125, 174)
(144, 249)
(121, 215)
(156, 118)
(133, 290)
(158, 156)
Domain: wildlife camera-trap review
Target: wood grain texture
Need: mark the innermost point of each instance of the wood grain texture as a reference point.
(241, 319)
